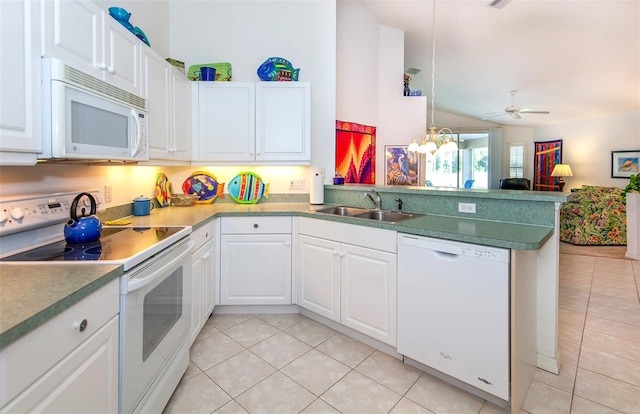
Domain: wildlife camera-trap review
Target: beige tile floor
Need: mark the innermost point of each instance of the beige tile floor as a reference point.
(278, 364)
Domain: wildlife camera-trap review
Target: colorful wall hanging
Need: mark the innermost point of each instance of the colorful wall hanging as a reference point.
(356, 152)
(547, 155)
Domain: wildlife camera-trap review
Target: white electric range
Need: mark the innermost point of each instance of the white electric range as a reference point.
(155, 289)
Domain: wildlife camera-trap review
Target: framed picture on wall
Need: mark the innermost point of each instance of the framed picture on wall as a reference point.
(401, 166)
(625, 163)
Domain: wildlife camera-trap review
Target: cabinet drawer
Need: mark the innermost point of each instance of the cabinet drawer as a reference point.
(256, 225)
(203, 234)
(35, 353)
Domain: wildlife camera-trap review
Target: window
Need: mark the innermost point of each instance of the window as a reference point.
(466, 168)
(516, 160)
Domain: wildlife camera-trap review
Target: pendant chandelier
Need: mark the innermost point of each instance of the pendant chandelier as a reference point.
(433, 139)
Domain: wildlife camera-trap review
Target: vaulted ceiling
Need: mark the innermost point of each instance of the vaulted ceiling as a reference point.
(578, 59)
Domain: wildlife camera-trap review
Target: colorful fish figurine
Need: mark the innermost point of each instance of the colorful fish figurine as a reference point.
(278, 69)
(205, 185)
(248, 188)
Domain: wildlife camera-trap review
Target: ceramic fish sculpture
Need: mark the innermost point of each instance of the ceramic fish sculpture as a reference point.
(277, 69)
(248, 188)
(204, 185)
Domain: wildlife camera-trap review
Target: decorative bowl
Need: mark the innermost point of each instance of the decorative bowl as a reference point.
(119, 13)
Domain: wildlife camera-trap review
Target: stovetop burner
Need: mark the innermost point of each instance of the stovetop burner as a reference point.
(116, 244)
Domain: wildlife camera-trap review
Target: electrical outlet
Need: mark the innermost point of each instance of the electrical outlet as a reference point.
(467, 207)
(296, 183)
(108, 193)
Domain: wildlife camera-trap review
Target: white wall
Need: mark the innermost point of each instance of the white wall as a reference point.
(246, 33)
(587, 146)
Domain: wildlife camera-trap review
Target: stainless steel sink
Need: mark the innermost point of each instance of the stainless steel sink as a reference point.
(362, 213)
(343, 211)
(386, 216)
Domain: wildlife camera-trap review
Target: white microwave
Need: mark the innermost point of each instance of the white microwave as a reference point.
(85, 118)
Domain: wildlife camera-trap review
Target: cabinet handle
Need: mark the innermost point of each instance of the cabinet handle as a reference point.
(102, 66)
(341, 254)
(335, 252)
(485, 381)
(111, 70)
(255, 225)
(82, 325)
(287, 244)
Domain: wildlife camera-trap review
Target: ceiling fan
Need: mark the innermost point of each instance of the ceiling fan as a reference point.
(515, 111)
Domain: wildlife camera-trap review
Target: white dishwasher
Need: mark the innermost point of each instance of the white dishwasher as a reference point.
(453, 309)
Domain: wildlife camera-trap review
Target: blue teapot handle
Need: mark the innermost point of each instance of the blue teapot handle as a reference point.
(74, 206)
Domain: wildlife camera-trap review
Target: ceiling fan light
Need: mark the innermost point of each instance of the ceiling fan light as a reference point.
(515, 115)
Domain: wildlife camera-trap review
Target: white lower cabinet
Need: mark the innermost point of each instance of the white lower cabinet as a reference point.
(255, 255)
(353, 284)
(203, 287)
(66, 365)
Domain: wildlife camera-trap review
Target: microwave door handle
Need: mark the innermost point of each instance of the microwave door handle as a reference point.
(135, 151)
(138, 283)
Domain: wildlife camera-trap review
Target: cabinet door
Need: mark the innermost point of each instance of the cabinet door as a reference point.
(319, 276)
(255, 269)
(20, 82)
(180, 114)
(283, 126)
(156, 92)
(85, 381)
(197, 306)
(368, 292)
(226, 122)
(120, 56)
(72, 32)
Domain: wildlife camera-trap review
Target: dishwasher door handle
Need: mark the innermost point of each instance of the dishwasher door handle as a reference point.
(445, 255)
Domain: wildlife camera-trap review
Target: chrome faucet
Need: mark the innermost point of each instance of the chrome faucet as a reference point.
(377, 201)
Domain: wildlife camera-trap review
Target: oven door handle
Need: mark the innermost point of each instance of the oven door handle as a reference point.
(138, 283)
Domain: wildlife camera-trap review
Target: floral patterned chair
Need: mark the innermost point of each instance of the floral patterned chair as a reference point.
(594, 216)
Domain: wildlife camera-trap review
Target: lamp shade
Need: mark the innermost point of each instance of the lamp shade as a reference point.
(562, 170)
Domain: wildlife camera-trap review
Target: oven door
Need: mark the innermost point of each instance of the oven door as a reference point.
(155, 316)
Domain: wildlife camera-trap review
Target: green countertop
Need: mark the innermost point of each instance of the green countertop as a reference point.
(30, 294)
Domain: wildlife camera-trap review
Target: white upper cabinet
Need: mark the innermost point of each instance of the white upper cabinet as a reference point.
(168, 95)
(257, 123)
(89, 39)
(283, 122)
(226, 121)
(19, 82)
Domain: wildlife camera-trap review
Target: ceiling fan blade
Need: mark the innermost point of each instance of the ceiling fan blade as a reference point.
(493, 116)
(531, 111)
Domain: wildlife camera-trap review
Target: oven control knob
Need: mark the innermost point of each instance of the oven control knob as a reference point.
(17, 213)
(3, 218)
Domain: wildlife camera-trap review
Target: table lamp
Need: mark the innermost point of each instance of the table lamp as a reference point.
(561, 171)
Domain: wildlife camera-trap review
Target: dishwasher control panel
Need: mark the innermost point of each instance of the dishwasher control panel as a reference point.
(454, 248)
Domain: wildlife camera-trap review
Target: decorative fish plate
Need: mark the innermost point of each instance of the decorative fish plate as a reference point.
(247, 188)
(205, 185)
(278, 69)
